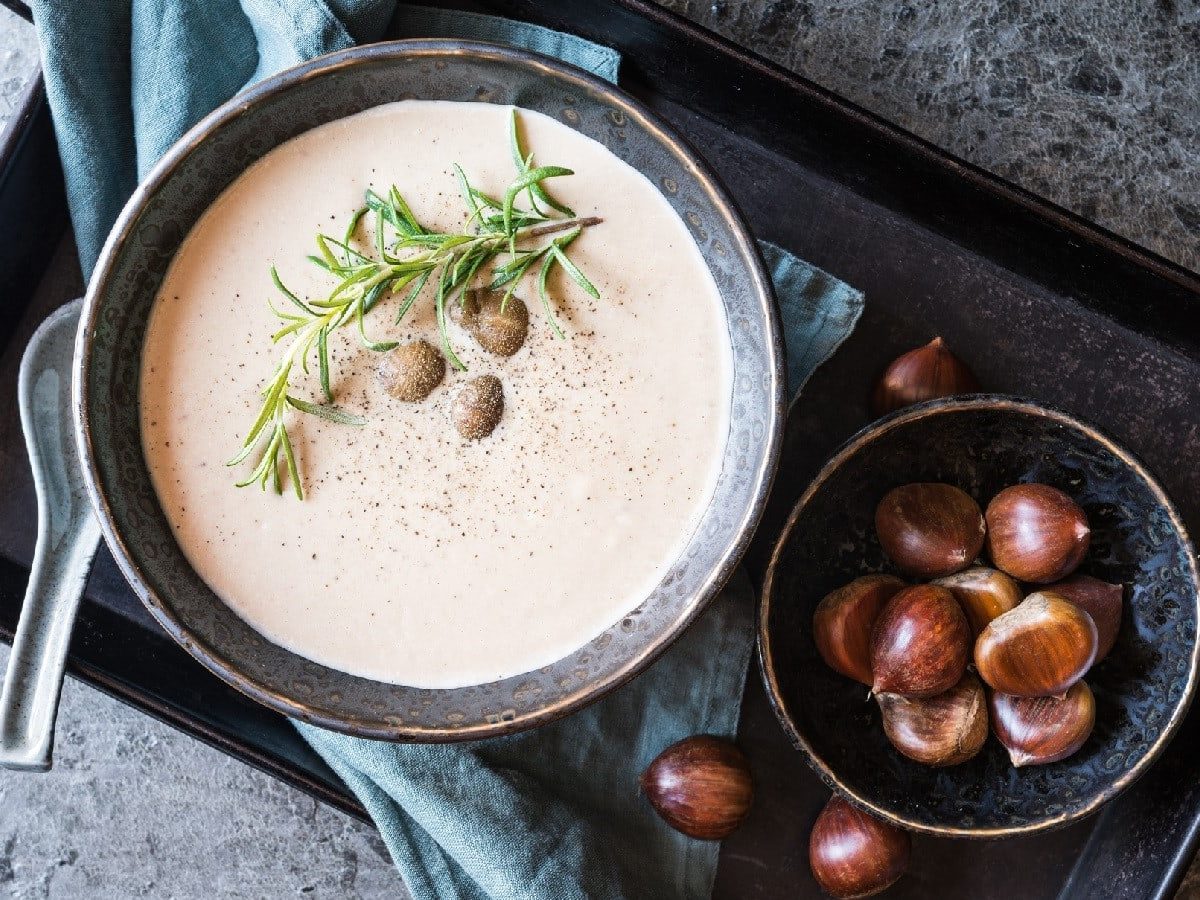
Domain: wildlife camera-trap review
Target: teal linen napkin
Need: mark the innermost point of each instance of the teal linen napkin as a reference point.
(552, 814)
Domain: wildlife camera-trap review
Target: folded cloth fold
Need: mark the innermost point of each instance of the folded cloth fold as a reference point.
(552, 814)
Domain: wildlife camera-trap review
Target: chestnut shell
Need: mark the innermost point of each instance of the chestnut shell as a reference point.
(938, 731)
(922, 374)
(854, 854)
(843, 622)
(1102, 601)
(929, 529)
(983, 594)
(921, 643)
(1040, 648)
(1036, 533)
(1040, 730)
(701, 786)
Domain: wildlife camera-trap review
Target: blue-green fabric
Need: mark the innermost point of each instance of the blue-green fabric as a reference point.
(553, 814)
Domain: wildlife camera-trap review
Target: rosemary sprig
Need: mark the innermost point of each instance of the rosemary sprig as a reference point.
(405, 257)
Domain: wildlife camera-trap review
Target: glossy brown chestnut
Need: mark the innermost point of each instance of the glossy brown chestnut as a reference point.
(843, 621)
(1100, 600)
(854, 854)
(929, 529)
(1039, 730)
(923, 374)
(1040, 648)
(983, 594)
(1036, 533)
(700, 786)
(921, 643)
(938, 731)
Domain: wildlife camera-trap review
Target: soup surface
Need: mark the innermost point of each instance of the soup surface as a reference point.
(418, 557)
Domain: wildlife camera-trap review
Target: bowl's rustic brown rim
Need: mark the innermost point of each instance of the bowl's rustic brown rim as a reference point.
(864, 438)
(244, 103)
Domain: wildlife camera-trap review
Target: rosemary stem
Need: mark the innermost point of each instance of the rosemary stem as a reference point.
(564, 225)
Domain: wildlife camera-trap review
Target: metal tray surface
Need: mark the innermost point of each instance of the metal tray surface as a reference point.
(1039, 302)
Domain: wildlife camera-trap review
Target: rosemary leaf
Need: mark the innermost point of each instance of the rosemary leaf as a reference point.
(522, 161)
(330, 413)
(283, 290)
(524, 180)
(412, 295)
(378, 347)
(573, 270)
(545, 295)
(323, 362)
(293, 469)
(353, 227)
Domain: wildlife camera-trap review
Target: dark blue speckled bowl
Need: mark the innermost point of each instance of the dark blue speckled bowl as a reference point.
(982, 444)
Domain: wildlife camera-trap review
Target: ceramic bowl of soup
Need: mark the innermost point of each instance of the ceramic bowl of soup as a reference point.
(400, 575)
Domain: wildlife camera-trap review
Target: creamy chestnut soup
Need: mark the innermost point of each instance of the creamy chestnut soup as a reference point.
(418, 556)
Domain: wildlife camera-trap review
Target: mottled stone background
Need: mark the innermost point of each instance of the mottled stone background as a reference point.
(1093, 105)
(1096, 106)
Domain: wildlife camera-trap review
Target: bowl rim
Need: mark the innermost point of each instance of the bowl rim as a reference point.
(761, 478)
(862, 438)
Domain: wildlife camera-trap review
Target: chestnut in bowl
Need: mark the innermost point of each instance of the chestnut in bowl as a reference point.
(983, 444)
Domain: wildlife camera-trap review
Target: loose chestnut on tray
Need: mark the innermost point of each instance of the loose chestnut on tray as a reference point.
(701, 786)
(925, 373)
(855, 854)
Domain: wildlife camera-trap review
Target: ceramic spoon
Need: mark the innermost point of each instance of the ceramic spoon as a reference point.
(67, 537)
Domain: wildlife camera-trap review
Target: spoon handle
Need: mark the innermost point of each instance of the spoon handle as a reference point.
(67, 537)
(29, 701)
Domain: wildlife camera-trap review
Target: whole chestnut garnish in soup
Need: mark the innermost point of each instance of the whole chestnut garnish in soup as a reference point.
(1036, 533)
(929, 529)
(412, 371)
(498, 323)
(477, 409)
(921, 643)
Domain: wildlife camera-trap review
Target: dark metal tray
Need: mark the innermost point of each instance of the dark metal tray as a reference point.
(1039, 301)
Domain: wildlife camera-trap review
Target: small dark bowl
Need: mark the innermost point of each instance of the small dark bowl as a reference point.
(982, 444)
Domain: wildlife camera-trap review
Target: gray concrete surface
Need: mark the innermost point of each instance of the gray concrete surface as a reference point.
(18, 57)
(1095, 105)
